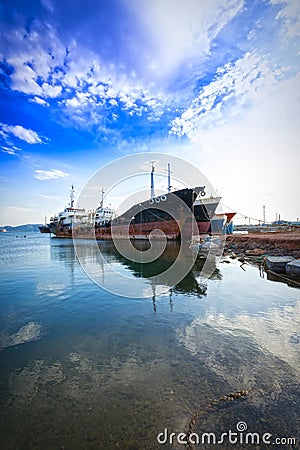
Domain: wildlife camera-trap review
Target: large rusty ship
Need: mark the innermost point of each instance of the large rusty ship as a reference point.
(168, 213)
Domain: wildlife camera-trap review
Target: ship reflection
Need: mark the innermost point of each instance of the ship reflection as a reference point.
(64, 251)
(188, 285)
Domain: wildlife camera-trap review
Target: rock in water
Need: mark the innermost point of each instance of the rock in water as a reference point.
(293, 268)
(278, 263)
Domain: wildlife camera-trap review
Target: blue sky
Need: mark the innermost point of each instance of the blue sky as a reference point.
(216, 82)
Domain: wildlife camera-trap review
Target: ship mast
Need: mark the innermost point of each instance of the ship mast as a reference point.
(169, 178)
(152, 180)
(102, 198)
(72, 193)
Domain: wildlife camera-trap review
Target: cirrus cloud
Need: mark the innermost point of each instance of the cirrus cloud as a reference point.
(49, 174)
(11, 150)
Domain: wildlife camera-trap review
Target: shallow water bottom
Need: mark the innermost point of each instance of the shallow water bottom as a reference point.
(85, 369)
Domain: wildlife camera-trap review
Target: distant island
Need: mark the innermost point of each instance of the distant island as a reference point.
(29, 227)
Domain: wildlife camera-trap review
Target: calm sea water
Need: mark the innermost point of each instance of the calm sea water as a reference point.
(85, 369)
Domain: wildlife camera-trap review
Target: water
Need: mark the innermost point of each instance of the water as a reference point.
(85, 369)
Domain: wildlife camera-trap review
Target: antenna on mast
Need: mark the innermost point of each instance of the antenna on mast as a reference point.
(72, 194)
(102, 198)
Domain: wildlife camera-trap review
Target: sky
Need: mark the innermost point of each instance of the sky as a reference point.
(216, 82)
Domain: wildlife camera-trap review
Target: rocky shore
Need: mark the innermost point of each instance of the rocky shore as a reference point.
(260, 244)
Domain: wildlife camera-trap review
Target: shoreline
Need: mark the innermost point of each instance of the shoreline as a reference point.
(264, 244)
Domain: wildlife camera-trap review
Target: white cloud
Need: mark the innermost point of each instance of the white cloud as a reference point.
(53, 197)
(27, 135)
(170, 39)
(49, 174)
(50, 90)
(136, 100)
(19, 209)
(180, 31)
(47, 4)
(11, 150)
(178, 38)
(35, 56)
(255, 153)
(290, 14)
(248, 80)
(39, 101)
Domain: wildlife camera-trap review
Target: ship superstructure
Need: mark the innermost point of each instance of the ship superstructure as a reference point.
(62, 223)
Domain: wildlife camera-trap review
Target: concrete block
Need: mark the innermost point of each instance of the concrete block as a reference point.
(293, 268)
(278, 263)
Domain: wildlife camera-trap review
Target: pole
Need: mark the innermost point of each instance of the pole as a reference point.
(169, 178)
(264, 214)
(72, 196)
(152, 181)
(102, 198)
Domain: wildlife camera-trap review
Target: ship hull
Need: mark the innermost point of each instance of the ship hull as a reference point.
(141, 221)
(44, 229)
(144, 231)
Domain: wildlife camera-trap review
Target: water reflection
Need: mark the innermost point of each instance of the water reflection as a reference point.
(283, 278)
(27, 333)
(282, 324)
(144, 273)
(99, 371)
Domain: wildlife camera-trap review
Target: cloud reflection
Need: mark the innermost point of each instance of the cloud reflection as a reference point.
(28, 333)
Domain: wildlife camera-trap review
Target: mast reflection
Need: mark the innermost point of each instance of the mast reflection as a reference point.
(63, 250)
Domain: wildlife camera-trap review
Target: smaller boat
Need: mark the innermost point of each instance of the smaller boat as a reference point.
(45, 228)
(4, 230)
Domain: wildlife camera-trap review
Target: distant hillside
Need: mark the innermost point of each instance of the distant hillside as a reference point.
(22, 228)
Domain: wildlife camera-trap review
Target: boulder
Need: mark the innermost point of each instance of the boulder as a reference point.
(255, 252)
(293, 268)
(278, 263)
